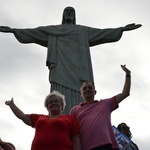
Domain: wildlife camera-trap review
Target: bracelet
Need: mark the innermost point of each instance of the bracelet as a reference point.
(128, 75)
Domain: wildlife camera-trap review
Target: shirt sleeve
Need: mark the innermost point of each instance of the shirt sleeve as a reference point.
(74, 126)
(34, 118)
(112, 103)
(115, 102)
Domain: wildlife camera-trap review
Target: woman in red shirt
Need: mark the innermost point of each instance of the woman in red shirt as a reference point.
(55, 131)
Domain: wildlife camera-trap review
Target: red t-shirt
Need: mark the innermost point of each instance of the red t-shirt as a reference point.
(53, 133)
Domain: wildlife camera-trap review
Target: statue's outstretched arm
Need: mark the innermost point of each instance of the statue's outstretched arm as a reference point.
(6, 29)
(131, 27)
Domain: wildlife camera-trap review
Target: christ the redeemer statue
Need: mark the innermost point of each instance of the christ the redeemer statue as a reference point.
(68, 55)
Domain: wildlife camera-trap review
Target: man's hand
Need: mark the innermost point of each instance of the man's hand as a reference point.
(126, 70)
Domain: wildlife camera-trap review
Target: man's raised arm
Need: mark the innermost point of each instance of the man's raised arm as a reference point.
(126, 89)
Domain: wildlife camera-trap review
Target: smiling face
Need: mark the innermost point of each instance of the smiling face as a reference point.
(54, 105)
(88, 92)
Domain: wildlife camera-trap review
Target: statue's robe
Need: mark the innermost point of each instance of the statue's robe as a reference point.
(68, 54)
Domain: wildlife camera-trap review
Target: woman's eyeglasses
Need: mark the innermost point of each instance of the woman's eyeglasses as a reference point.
(54, 101)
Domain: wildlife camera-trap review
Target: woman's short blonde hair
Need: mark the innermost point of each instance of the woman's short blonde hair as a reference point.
(55, 93)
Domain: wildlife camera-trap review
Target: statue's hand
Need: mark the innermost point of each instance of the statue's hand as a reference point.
(131, 27)
(6, 29)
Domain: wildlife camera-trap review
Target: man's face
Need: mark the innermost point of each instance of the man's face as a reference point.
(88, 91)
(69, 14)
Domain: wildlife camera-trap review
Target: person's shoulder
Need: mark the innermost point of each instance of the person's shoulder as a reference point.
(68, 117)
(107, 99)
(76, 106)
(38, 115)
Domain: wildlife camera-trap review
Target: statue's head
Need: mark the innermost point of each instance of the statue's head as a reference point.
(69, 16)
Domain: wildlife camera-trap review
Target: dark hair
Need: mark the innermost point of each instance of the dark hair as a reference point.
(7, 145)
(120, 125)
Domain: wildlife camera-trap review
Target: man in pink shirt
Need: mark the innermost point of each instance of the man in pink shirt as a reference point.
(94, 117)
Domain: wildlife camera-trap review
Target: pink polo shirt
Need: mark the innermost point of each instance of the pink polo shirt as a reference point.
(95, 123)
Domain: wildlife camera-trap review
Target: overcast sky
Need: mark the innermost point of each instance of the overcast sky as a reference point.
(24, 75)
